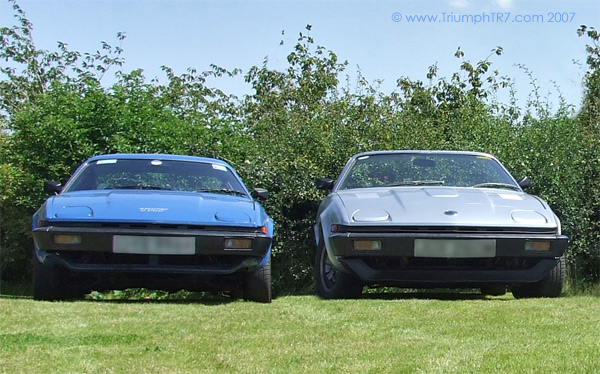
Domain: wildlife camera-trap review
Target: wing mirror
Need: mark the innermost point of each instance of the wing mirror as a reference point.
(260, 194)
(325, 183)
(53, 188)
(524, 183)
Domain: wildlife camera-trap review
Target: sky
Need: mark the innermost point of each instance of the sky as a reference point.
(384, 40)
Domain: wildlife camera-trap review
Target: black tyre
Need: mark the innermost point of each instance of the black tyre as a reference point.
(331, 283)
(257, 286)
(493, 289)
(47, 282)
(549, 286)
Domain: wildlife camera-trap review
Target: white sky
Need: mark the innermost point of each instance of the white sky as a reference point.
(375, 36)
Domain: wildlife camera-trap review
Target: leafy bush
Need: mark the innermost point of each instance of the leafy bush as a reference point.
(299, 124)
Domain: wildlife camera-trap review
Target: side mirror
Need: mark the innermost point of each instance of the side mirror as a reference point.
(53, 188)
(325, 183)
(260, 194)
(525, 182)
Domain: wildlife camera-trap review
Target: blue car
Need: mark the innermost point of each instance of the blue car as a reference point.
(156, 221)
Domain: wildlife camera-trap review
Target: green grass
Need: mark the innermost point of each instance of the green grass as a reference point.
(381, 333)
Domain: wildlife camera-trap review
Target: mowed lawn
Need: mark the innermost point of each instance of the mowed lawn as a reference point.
(380, 333)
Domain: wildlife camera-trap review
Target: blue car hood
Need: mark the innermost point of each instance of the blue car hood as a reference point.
(170, 207)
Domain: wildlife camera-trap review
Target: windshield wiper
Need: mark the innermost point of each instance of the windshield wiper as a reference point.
(226, 191)
(417, 183)
(497, 185)
(136, 187)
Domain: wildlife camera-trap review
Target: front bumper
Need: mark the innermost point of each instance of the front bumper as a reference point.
(396, 263)
(94, 253)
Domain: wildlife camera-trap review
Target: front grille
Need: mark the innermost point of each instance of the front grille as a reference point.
(108, 258)
(419, 263)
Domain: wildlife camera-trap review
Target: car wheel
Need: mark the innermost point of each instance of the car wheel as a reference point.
(47, 282)
(331, 283)
(257, 286)
(549, 286)
(493, 290)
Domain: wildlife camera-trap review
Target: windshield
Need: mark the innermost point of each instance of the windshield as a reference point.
(156, 174)
(431, 169)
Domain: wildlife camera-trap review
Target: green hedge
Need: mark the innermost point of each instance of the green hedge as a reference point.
(299, 124)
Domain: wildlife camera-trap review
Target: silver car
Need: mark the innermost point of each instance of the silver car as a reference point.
(424, 219)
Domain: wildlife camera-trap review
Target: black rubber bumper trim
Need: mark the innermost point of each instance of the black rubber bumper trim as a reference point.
(402, 244)
(208, 242)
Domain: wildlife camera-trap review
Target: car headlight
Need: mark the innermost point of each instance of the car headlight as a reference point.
(238, 244)
(367, 245)
(67, 239)
(537, 245)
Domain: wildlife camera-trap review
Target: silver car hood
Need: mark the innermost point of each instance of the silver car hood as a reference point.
(445, 206)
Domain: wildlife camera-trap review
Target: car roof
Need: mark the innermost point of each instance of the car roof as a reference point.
(159, 156)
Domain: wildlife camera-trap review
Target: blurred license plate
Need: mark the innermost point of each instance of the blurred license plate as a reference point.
(455, 248)
(154, 245)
